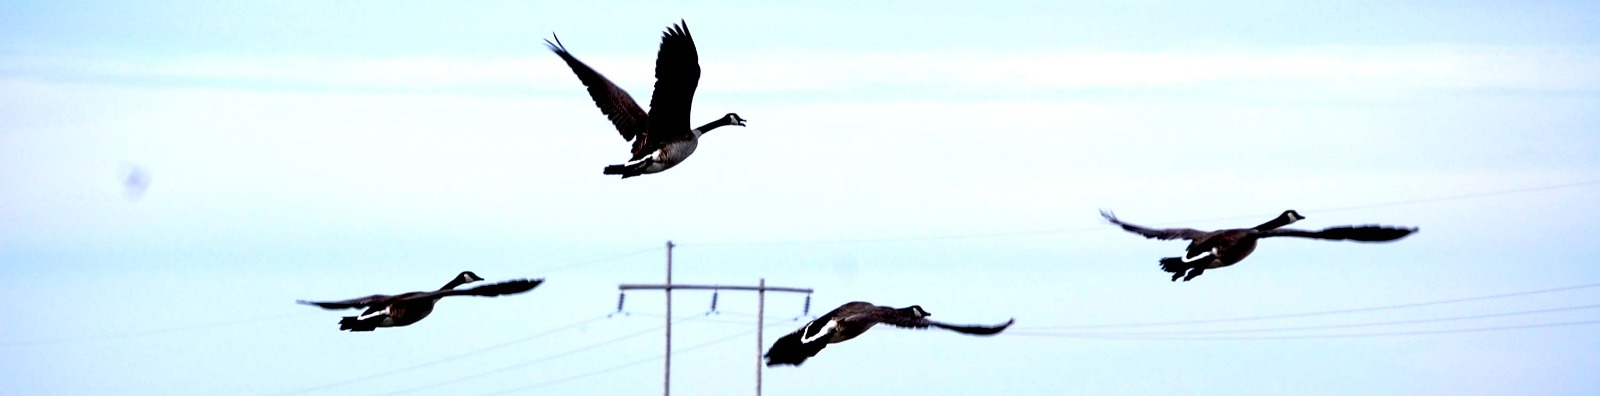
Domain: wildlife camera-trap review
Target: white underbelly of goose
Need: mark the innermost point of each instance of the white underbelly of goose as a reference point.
(673, 154)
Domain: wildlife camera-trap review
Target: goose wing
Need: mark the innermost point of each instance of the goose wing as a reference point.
(896, 318)
(792, 349)
(677, 75)
(614, 102)
(974, 329)
(1154, 233)
(489, 290)
(1364, 233)
(372, 300)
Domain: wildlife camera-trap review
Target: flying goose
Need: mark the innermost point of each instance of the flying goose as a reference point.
(664, 131)
(850, 320)
(404, 309)
(1221, 248)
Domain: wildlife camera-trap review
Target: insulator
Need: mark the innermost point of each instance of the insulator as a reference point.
(808, 306)
(620, 298)
(713, 302)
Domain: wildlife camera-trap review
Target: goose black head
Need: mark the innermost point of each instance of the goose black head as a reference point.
(468, 277)
(1292, 216)
(733, 119)
(917, 311)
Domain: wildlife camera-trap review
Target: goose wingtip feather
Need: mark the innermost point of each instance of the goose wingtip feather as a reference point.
(1109, 215)
(556, 46)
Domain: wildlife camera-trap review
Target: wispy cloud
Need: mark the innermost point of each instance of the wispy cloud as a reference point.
(1334, 68)
(378, 73)
(1422, 67)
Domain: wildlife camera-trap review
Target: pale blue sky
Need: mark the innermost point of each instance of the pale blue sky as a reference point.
(315, 150)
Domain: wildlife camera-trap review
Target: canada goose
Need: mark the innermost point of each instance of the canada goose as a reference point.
(664, 131)
(1221, 248)
(850, 320)
(404, 309)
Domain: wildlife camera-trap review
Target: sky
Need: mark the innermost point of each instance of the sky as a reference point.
(953, 155)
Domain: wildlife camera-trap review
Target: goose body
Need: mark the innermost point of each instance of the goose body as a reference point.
(661, 138)
(851, 320)
(407, 308)
(1221, 248)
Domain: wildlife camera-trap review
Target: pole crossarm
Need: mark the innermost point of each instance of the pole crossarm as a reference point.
(626, 287)
(761, 290)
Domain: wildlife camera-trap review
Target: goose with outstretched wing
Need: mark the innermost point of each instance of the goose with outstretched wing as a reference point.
(1221, 248)
(850, 320)
(407, 308)
(662, 137)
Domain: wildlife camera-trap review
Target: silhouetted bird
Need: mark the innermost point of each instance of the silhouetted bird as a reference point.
(1221, 248)
(852, 319)
(663, 132)
(404, 309)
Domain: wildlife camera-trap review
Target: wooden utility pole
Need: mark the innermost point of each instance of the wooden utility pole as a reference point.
(761, 319)
(666, 382)
(761, 290)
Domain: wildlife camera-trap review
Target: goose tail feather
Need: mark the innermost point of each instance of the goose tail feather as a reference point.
(627, 170)
(352, 323)
(1174, 264)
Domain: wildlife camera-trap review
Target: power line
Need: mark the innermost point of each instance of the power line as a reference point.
(906, 239)
(1338, 326)
(1075, 230)
(141, 333)
(534, 361)
(1317, 313)
(599, 260)
(1291, 337)
(1463, 196)
(709, 319)
(1396, 203)
(628, 364)
(234, 322)
(446, 359)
